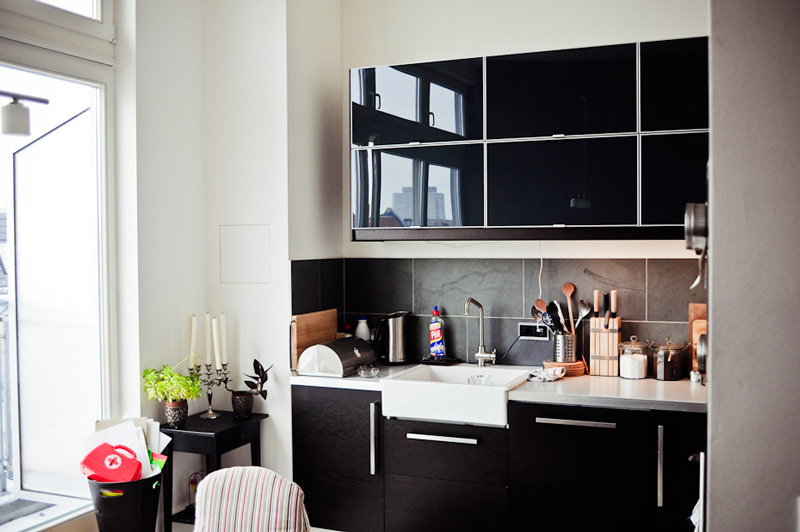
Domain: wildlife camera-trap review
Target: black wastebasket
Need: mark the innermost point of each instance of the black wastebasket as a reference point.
(126, 506)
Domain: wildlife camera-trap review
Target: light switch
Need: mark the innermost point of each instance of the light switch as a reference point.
(244, 253)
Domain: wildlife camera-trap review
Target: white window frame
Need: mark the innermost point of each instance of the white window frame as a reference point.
(31, 22)
(59, 65)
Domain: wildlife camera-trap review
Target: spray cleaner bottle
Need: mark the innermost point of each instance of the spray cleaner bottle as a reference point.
(437, 336)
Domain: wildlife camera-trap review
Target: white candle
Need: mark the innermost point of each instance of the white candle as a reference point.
(193, 343)
(223, 338)
(216, 343)
(208, 338)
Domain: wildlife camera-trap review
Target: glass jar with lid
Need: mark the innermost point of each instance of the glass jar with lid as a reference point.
(668, 360)
(633, 359)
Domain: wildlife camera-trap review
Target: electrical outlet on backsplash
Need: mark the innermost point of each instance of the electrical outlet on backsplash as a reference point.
(653, 297)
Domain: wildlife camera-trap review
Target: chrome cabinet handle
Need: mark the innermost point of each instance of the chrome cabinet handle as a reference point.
(702, 524)
(372, 438)
(445, 439)
(432, 119)
(660, 470)
(577, 423)
(377, 101)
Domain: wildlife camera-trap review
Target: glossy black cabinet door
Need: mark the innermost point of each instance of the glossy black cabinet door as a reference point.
(569, 92)
(387, 186)
(426, 102)
(682, 435)
(331, 458)
(426, 505)
(579, 468)
(566, 181)
(674, 78)
(673, 174)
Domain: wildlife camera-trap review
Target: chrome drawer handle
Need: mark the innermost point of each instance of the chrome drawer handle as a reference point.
(660, 468)
(372, 435)
(446, 439)
(577, 423)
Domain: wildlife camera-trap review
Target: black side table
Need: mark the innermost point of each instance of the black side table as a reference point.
(213, 438)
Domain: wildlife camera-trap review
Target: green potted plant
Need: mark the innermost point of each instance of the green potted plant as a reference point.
(242, 400)
(175, 389)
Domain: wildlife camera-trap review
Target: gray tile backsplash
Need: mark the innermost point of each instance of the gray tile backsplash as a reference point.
(627, 276)
(653, 297)
(495, 283)
(668, 294)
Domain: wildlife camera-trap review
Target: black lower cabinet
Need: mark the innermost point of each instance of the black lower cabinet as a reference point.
(416, 504)
(681, 437)
(336, 457)
(445, 477)
(579, 468)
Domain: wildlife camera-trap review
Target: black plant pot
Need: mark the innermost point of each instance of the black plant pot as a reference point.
(242, 402)
(176, 413)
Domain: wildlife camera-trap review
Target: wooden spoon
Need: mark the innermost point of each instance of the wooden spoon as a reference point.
(568, 289)
(540, 305)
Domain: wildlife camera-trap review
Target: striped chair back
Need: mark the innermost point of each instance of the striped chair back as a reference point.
(249, 499)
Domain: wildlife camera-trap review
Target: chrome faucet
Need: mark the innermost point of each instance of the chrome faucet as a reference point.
(482, 355)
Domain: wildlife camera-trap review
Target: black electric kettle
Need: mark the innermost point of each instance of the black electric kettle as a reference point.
(390, 339)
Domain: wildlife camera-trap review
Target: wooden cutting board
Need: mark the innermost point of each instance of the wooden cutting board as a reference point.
(697, 311)
(312, 329)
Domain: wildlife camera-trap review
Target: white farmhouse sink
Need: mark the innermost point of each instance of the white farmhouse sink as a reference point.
(446, 393)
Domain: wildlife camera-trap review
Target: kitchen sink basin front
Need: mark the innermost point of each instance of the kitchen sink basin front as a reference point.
(462, 393)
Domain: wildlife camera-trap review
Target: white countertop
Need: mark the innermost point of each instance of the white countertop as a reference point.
(611, 392)
(615, 392)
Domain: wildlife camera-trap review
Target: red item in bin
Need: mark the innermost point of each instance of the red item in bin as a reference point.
(106, 464)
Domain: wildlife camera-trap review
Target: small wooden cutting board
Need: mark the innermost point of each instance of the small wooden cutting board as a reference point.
(312, 329)
(697, 311)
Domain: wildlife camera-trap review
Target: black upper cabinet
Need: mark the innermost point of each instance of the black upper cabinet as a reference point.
(606, 143)
(569, 92)
(673, 166)
(564, 181)
(674, 78)
(389, 185)
(427, 102)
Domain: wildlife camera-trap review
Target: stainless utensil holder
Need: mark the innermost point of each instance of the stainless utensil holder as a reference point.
(565, 348)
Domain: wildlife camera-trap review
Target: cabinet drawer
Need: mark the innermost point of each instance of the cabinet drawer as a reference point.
(447, 452)
(425, 505)
(572, 447)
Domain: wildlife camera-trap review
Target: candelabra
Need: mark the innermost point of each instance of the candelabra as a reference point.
(210, 379)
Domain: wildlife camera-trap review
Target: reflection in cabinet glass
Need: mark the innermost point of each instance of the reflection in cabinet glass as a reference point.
(566, 92)
(574, 181)
(434, 186)
(427, 102)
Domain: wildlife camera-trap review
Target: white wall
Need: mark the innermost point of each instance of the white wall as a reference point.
(169, 180)
(247, 186)
(314, 31)
(395, 31)
(754, 463)
(160, 197)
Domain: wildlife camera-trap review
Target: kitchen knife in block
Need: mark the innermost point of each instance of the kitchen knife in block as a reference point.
(312, 329)
(697, 311)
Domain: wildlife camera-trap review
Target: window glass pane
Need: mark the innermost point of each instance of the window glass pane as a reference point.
(51, 193)
(86, 8)
(447, 111)
(397, 93)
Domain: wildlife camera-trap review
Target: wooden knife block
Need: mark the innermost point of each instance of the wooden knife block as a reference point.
(604, 347)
